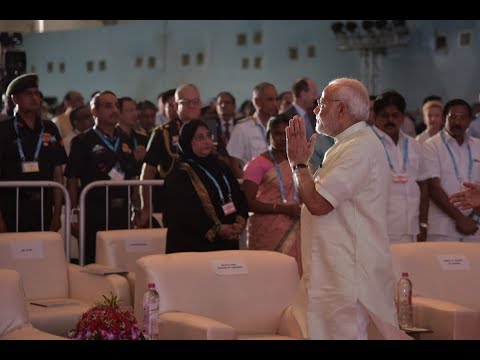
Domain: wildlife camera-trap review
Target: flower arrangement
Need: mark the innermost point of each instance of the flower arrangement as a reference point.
(107, 321)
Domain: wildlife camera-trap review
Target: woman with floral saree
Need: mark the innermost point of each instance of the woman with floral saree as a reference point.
(272, 197)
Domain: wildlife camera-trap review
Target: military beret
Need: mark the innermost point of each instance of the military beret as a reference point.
(22, 83)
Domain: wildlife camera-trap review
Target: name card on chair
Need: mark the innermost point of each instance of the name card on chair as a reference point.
(134, 245)
(229, 267)
(27, 250)
(453, 262)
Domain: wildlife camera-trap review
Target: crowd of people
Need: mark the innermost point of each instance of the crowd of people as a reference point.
(331, 180)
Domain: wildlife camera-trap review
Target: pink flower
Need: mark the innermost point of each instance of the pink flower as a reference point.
(107, 321)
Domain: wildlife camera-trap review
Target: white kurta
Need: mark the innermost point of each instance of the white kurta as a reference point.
(404, 198)
(440, 164)
(346, 253)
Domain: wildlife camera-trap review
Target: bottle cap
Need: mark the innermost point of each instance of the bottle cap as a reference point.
(151, 285)
(404, 274)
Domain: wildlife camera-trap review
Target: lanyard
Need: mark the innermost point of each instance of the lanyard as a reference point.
(106, 140)
(216, 183)
(455, 167)
(135, 142)
(405, 152)
(280, 180)
(19, 142)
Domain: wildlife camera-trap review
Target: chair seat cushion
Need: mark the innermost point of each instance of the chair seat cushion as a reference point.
(59, 316)
(28, 332)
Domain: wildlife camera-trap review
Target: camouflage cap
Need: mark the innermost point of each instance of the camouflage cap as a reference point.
(22, 83)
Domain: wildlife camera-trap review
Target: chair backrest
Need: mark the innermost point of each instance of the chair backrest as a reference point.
(246, 289)
(121, 248)
(13, 309)
(39, 257)
(445, 270)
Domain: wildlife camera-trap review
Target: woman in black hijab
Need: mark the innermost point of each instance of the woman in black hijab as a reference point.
(205, 207)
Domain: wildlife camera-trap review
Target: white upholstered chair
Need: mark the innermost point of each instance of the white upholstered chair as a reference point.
(14, 321)
(446, 292)
(64, 289)
(122, 248)
(233, 294)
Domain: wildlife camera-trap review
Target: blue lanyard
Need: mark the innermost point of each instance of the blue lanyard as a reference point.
(135, 142)
(19, 142)
(106, 140)
(280, 180)
(405, 152)
(216, 183)
(455, 167)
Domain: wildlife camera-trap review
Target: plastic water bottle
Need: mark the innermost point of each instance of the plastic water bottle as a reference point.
(151, 304)
(404, 299)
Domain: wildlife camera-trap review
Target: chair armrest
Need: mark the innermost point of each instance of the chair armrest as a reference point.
(447, 320)
(177, 325)
(289, 325)
(91, 287)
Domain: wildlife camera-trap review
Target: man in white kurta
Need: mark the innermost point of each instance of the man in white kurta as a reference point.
(452, 157)
(348, 279)
(407, 211)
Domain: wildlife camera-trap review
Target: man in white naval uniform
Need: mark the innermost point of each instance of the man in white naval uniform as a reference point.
(348, 277)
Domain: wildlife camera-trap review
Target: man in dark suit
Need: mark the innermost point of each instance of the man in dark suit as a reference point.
(305, 97)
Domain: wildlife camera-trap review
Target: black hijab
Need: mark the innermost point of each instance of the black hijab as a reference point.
(187, 132)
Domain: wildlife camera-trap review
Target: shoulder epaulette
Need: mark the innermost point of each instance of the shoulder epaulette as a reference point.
(245, 119)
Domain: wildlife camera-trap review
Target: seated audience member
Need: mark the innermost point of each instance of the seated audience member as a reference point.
(272, 196)
(205, 208)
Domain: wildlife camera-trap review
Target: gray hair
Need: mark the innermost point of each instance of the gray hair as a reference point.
(354, 95)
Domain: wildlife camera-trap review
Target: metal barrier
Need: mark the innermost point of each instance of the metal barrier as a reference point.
(42, 185)
(107, 184)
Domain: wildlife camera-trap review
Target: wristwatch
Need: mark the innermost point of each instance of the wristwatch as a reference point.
(475, 217)
(298, 166)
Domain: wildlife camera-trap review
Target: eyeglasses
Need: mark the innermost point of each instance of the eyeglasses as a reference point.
(186, 102)
(322, 102)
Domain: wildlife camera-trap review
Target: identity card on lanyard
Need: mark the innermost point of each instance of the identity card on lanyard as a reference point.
(228, 207)
(28, 166)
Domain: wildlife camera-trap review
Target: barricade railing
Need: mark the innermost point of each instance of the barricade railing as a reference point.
(42, 185)
(107, 184)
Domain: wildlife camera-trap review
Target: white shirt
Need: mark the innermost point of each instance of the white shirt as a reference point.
(63, 123)
(247, 139)
(346, 253)
(440, 164)
(423, 136)
(404, 198)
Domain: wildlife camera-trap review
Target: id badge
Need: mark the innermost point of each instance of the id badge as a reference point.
(30, 167)
(400, 178)
(229, 208)
(116, 174)
(175, 140)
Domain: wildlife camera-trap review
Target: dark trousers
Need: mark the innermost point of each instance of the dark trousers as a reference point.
(29, 211)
